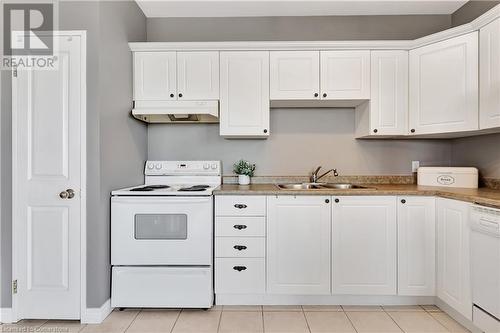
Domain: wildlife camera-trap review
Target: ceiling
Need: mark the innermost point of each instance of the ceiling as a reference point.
(235, 8)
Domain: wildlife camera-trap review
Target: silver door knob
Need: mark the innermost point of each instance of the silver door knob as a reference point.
(68, 194)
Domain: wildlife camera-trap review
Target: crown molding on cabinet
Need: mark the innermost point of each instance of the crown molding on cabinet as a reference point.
(479, 22)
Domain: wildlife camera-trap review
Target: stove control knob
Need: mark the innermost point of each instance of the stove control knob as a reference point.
(214, 166)
(206, 166)
(158, 166)
(151, 166)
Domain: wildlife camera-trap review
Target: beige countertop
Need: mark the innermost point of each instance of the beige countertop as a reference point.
(483, 196)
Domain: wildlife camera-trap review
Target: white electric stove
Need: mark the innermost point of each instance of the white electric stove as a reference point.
(162, 236)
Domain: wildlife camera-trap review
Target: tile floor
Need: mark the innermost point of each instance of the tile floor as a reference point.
(252, 319)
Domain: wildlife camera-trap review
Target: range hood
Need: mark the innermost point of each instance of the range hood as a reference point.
(176, 112)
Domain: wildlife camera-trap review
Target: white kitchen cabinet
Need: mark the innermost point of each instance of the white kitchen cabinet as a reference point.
(294, 75)
(162, 76)
(453, 258)
(389, 93)
(416, 246)
(489, 75)
(198, 76)
(155, 76)
(364, 245)
(244, 94)
(444, 86)
(298, 245)
(345, 74)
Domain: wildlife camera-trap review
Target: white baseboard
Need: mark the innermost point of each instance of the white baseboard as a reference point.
(6, 315)
(97, 315)
(457, 316)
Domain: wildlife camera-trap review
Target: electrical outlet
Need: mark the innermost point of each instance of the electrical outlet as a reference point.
(415, 165)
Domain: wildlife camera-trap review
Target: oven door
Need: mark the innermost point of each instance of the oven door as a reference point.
(161, 230)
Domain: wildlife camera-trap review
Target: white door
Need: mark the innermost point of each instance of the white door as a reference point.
(47, 148)
(155, 76)
(489, 75)
(453, 257)
(294, 74)
(298, 245)
(198, 75)
(416, 246)
(389, 93)
(244, 94)
(364, 245)
(345, 74)
(444, 86)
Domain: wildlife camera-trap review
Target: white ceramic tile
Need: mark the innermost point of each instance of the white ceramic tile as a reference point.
(154, 321)
(449, 322)
(197, 321)
(322, 322)
(253, 308)
(116, 322)
(417, 322)
(282, 308)
(406, 308)
(373, 322)
(241, 321)
(431, 308)
(363, 308)
(66, 326)
(285, 322)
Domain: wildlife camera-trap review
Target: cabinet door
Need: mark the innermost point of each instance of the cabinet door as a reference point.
(416, 246)
(345, 74)
(244, 94)
(154, 76)
(389, 93)
(294, 74)
(298, 245)
(198, 75)
(453, 267)
(489, 75)
(364, 245)
(444, 86)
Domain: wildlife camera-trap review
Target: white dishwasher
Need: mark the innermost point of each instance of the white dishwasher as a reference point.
(485, 267)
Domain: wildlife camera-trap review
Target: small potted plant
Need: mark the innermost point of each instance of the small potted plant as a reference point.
(244, 170)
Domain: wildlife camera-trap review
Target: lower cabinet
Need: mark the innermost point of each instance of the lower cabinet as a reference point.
(364, 245)
(298, 245)
(416, 246)
(453, 258)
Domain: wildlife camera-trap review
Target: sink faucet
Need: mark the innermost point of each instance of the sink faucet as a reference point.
(314, 176)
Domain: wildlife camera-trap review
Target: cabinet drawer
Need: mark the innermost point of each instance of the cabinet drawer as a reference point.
(240, 247)
(240, 275)
(240, 226)
(240, 205)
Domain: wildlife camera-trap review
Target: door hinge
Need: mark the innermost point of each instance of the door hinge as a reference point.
(14, 286)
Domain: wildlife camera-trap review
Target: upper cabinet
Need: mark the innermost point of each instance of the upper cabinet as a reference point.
(244, 94)
(155, 76)
(387, 111)
(489, 70)
(444, 86)
(345, 74)
(167, 76)
(294, 75)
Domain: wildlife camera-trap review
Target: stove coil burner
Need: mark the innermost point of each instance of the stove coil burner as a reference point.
(149, 188)
(194, 188)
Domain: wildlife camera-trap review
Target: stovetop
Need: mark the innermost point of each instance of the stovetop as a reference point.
(166, 190)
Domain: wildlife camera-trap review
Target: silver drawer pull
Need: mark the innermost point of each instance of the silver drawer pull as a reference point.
(240, 206)
(239, 226)
(239, 268)
(240, 247)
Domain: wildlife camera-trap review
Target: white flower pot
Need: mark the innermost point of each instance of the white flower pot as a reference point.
(243, 179)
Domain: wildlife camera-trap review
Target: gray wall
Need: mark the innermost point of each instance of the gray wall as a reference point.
(482, 152)
(116, 144)
(300, 139)
(471, 10)
(294, 28)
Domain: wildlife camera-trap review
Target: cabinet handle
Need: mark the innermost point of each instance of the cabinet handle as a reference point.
(240, 206)
(412, 130)
(239, 226)
(337, 200)
(375, 130)
(316, 94)
(239, 268)
(324, 95)
(240, 247)
(172, 95)
(180, 95)
(327, 200)
(265, 130)
(403, 201)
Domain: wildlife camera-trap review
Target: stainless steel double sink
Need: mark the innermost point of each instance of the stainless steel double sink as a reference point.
(320, 186)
